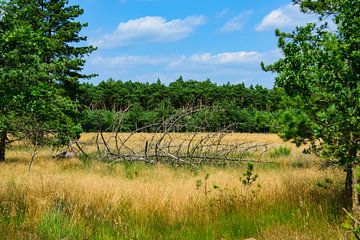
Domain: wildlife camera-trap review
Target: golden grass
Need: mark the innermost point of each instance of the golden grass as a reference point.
(173, 185)
(96, 190)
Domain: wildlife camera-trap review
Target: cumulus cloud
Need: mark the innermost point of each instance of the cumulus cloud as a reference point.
(153, 29)
(287, 16)
(236, 23)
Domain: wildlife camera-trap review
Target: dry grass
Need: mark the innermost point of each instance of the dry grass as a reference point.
(284, 232)
(156, 202)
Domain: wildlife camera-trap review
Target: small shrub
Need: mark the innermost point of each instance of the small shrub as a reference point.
(280, 152)
(203, 184)
(249, 176)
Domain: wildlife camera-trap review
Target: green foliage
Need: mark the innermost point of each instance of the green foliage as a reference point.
(39, 70)
(231, 107)
(295, 124)
(203, 185)
(281, 151)
(95, 120)
(320, 71)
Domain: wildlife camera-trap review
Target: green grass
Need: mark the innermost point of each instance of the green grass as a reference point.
(55, 225)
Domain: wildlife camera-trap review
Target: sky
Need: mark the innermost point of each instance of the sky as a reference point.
(220, 40)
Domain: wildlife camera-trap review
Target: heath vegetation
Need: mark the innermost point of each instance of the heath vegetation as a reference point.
(95, 199)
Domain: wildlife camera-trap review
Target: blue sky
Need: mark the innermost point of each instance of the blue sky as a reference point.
(223, 40)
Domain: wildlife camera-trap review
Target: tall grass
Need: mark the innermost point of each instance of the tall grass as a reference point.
(76, 199)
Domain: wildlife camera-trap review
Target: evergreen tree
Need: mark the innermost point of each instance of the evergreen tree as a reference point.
(40, 61)
(320, 70)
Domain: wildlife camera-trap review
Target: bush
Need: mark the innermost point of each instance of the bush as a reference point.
(280, 152)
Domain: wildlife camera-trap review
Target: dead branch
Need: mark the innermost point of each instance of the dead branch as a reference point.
(162, 147)
(81, 149)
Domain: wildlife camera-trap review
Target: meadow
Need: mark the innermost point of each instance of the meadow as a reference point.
(296, 196)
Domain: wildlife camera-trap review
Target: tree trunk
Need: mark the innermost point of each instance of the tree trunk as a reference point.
(2, 145)
(355, 195)
(349, 188)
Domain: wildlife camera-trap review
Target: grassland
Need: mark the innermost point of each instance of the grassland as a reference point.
(87, 199)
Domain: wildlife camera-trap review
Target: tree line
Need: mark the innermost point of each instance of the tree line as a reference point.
(234, 107)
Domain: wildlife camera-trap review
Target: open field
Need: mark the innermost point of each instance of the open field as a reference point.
(86, 199)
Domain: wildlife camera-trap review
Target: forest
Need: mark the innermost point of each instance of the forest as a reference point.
(231, 107)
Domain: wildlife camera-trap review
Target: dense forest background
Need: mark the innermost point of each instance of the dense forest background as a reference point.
(233, 107)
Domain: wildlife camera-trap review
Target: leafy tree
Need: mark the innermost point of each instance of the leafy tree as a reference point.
(321, 71)
(40, 66)
(96, 120)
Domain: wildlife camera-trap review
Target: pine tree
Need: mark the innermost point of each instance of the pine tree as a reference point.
(40, 62)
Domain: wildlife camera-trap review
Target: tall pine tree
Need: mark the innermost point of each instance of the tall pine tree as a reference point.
(40, 62)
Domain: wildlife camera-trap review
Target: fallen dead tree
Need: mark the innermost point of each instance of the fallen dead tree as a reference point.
(163, 146)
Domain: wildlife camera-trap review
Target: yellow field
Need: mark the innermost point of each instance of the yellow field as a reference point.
(133, 199)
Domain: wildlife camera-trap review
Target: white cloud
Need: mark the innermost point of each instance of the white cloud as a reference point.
(153, 29)
(287, 16)
(235, 67)
(236, 23)
(226, 57)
